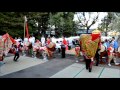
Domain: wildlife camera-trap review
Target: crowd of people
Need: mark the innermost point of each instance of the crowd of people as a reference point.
(109, 49)
(106, 52)
(32, 46)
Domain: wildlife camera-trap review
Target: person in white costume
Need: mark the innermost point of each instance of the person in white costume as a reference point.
(43, 40)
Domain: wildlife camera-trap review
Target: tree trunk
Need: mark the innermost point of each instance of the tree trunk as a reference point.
(87, 29)
(106, 30)
(106, 33)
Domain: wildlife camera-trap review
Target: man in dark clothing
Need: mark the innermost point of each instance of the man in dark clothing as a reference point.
(16, 53)
(88, 63)
(97, 57)
(63, 50)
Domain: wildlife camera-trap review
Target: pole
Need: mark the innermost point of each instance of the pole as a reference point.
(24, 26)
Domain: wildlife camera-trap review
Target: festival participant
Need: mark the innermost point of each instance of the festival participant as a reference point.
(65, 43)
(111, 55)
(16, 53)
(115, 44)
(103, 52)
(106, 43)
(31, 44)
(77, 51)
(33, 40)
(25, 45)
(63, 50)
(50, 47)
(89, 44)
(15, 38)
(19, 39)
(48, 40)
(43, 40)
(36, 47)
(88, 61)
(97, 57)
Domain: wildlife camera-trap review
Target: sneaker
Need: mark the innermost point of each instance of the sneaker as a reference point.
(109, 64)
(24, 55)
(76, 61)
(90, 69)
(116, 63)
(35, 57)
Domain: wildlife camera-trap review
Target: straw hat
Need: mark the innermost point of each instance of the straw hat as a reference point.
(96, 31)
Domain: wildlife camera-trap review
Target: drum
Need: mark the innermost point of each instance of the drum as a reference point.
(102, 48)
(103, 53)
(51, 46)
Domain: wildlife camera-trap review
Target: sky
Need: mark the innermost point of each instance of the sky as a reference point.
(101, 15)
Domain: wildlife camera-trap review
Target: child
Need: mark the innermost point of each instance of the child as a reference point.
(16, 53)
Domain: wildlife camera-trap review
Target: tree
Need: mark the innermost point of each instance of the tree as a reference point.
(115, 22)
(63, 22)
(104, 26)
(41, 18)
(13, 22)
(86, 20)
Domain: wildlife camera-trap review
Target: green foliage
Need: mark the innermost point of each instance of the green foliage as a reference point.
(63, 22)
(13, 22)
(106, 21)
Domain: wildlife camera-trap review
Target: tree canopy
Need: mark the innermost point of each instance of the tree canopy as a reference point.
(63, 22)
(87, 19)
(13, 22)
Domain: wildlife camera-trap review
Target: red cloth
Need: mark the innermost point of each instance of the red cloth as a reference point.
(109, 50)
(66, 47)
(5, 36)
(95, 36)
(64, 42)
(12, 40)
(48, 41)
(27, 32)
(77, 50)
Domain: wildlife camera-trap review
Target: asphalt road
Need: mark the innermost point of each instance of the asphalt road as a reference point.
(49, 68)
(44, 70)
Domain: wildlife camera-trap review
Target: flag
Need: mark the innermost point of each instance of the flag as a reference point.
(26, 28)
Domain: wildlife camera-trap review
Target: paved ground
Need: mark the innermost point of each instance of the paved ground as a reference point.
(78, 70)
(24, 62)
(41, 69)
(28, 67)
